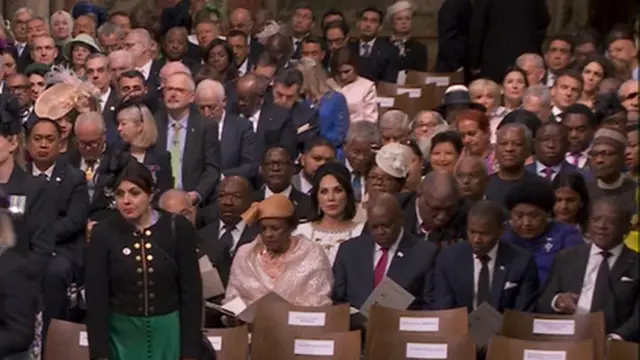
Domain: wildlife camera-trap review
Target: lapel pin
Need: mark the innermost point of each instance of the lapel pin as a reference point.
(112, 108)
(400, 254)
(126, 251)
(58, 179)
(501, 267)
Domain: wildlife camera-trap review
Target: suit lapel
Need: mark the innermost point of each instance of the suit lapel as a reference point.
(466, 274)
(295, 196)
(624, 262)
(248, 234)
(366, 258)
(189, 143)
(163, 124)
(57, 176)
(578, 268)
(398, 261)
(499, 275)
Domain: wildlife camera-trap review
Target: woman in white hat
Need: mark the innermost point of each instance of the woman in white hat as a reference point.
(412, 53)
(78, 49)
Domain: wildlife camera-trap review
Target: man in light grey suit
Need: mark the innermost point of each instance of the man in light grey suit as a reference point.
(236, 136)
(190, 138)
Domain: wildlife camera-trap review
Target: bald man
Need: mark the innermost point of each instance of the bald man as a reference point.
(176, 47)
(385, 250)
(242, 20)
(178, 202)
(237, 139)
(472, 178)
(272, 123)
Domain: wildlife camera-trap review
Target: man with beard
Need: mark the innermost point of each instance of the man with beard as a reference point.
(623, 52)
(317, 152)
(628, 94)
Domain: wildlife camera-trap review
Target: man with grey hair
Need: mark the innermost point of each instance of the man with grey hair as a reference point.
(110, 37)
(90, 137)
(138, 42)
(395, 126)
(190, 138)
(237, 139)
(362, 138)
(537, 99)
(628, 94)
(512, 149)
(20, 20)
(533, 65)
(120, 61)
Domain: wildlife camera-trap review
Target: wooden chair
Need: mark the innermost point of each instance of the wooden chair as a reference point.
(622, 350)
(274, 321)
(501, 348)
(66, 341)
(384, 321)
(229, 343)
(415, 345)
(543, 327)
(296, 346)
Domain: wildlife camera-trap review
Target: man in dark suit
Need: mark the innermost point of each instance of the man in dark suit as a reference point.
(386, 250)
(239, 43)
(453, 29)
(71, 214)
(236, 136)
(521, 28)
(303, 20)
(18, 86)
(276, 170)
(138, 43)
(436, 212)
(317, 152)
(550, 146)
(271, 123)
(190, 138)
(601, 276)
(176, 46)
(378, 57)
(98, 73)
(241, 19)
(483, 269)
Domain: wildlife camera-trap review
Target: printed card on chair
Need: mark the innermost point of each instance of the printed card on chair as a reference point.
(388, 294)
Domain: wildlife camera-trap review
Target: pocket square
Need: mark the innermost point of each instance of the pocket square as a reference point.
(303, 128)
(510, 285)
(626, 279)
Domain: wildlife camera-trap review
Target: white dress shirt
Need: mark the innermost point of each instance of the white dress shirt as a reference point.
(20, 47)
(541, 170)
(244, 67)
(551, 79)
(556, 113)
(48, 173)
(103, 99)
(146, 69)
(369, 43)
(286, 192)
(590, 275)
(377, 253)
(221, 125)
(305, 185)
(255, 118)
(235, 234)
(477, 266)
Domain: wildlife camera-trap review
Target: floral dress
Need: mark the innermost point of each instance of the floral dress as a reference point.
(329, 240)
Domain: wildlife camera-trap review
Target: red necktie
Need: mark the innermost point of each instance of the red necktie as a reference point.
(576, 159)
(381, 267)
(548, 172)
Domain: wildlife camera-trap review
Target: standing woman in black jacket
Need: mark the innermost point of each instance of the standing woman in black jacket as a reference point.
(18, 293)
(143, 286)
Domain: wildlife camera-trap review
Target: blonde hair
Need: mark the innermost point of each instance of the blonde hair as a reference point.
(149, 133)
(314, 83)
(479, 86)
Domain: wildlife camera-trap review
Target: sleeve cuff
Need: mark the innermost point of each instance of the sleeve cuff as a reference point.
(614, 336)
(553, 304)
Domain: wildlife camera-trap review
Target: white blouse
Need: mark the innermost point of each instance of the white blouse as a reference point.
(329, 240)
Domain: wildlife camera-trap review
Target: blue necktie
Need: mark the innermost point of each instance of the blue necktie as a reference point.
(356, 183)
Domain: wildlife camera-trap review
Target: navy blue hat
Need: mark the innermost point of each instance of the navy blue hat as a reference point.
(86, 7)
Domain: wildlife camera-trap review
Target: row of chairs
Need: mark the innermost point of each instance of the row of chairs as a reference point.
(282, 331)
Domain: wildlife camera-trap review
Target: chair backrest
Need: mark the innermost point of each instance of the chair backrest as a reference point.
(543, 327)
(296, 346)
(414, 345)
(66, 341)
(439, 79)
(230, 343)
(275, 320)
(384, 321)
(622, 350)
(501, 348)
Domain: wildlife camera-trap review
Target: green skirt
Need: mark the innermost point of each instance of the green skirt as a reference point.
(144, 338)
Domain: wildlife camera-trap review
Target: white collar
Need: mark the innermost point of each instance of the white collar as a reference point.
(239, 227)
(221, 124)
(394, 246)
(370, 42)
(615, 185)
(104, 97)
(49, 172)
(244, 67)
(541, 167)
(493, 253)
(146, 69)
(615, 251)
(556, 111)
(305, 185)
(286, 192)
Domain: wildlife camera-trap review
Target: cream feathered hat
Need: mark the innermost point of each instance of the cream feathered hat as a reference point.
(397, 7)
(65, 94)
(394, 159)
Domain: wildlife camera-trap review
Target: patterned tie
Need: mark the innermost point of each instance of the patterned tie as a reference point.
(548, 173)
(365, 50)
(174, 150)
(381, 267)
(356, 183)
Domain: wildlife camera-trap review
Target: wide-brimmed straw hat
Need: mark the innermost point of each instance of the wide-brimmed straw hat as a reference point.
(56, 101)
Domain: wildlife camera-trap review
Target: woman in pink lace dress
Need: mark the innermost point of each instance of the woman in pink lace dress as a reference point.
(293, 267)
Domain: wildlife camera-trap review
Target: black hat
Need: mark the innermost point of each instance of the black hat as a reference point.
(458, 95)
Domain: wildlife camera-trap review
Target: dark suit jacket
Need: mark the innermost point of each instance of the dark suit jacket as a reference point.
(453, 29)
(18, 304)
(109, 116)
(415, 57)
(238, 148)
(69, 187)
(306, 120)
(99, 204)
(381, 64)
(255, 49)
(33, 229)
(276, 127)
(521, 27)
(158, 161)
(565, 168)
(201, 159)
(623, 314)
(411, 267)
(302, 202)
(31, 120)
(514, 267)
(208, 243)
(24, 59)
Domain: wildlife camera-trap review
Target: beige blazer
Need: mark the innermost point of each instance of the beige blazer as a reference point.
(361, 98)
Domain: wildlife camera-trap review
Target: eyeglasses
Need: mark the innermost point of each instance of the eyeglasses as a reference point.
(94, 144)
(630, 96)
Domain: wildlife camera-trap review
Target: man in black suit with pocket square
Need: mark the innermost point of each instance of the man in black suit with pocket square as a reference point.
(190, 138)
(378, 57)
(386, 250)
(601, 276)
(71, 213)
(484, 269)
